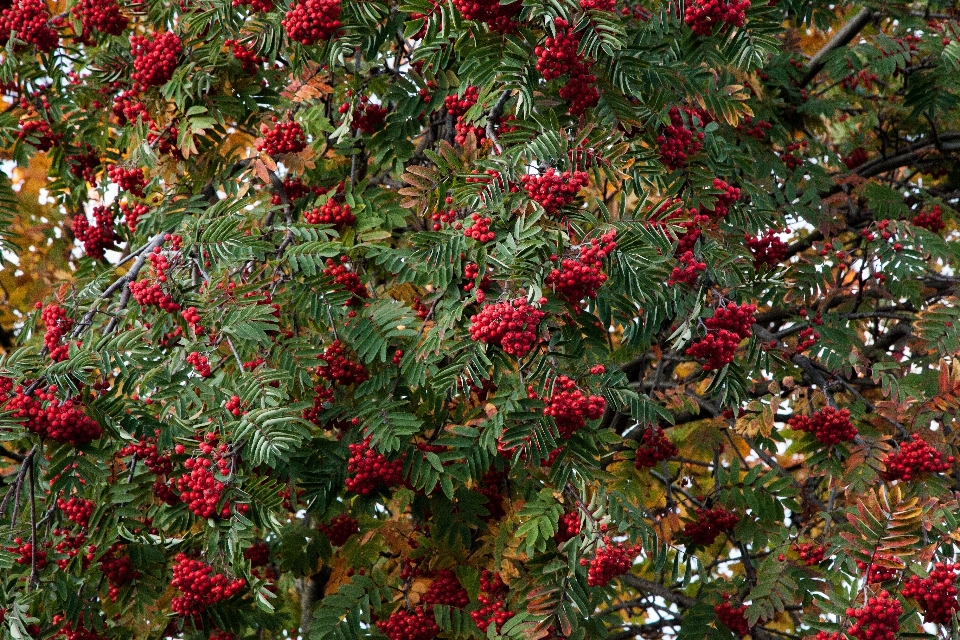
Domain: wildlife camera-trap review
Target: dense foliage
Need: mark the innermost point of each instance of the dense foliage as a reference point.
(475, 318)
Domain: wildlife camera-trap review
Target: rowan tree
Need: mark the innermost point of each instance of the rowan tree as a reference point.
(479, 318)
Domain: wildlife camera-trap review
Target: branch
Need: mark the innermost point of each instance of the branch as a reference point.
(840, 39)
(657, 589)
(493, 117)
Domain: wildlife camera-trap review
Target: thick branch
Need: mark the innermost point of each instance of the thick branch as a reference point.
(657, 589)
(840, 39)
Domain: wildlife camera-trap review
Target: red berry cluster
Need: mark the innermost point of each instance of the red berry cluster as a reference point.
(77, 510)
(733, 618)
(856, 158)
(930, 220)
(703, 15)
(310, 21)
(246, 56)
(127, 109)
(610, 561)
(200, 587)
(709, 524)
(151, 295)
(117, 568)
(348, 280)
(99, 236)
(100, 15)
(914, 458)
(598, 5)
(25, 550)
(132, 214)
(567, 527)
(497, 16)
(154, 59)
(147, 452)
(828, 425)
(367, 117)
(557, 56)
(257, 6)
(879, 619)
(457, 106)
(368, 469)
(688, 272)
(51, 419)
(877, 573)
(131, 180)
(570, 408)
(678, 141)
(936, 594)
(554, 190)
(728, 326)
(510, 325)
(810, 553)
(234, 406)
(756, 130)
(84, 166)
(579, 278)
(199, 488)
(282, 137)
(480, 229)
(30, 19)
(295, 189)
(493, 605)
(340, 369)
(654, 447)
(54, 318)
(199, 363)
(258, 554)
(445, 589)
(471, 271)
(406, 624)
(790, 157)
(767, 250)
(38, 133)
(339, 529)
(331, 212)
(491, 487)
(727, 197)
(192, 318)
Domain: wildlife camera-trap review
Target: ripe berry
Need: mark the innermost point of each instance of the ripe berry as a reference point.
(725, 330)
(914, 458)
(653, 448)
(30, 19)
(102, 16)
(310, 21)
(810, 553)
(368, 469)
(610, 561)
(339, 369)
(131, 180)
(567, 527)
(570, 408)
(445, 590)
(283, 137)
(405, 624)
(579, 278)
(340, 529)
(689, 272)
(930, 220)
(879, 619)
(767, 250)
(828, 425)
(554, 190)
(936, 594)
(710, 523)
(100, 236)
(348, 280)
(154, 58)
(200, 588)
(703, 15)
(510, 325)
(497, 16)
(678, 141)
(734, 618)
(493, 610)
